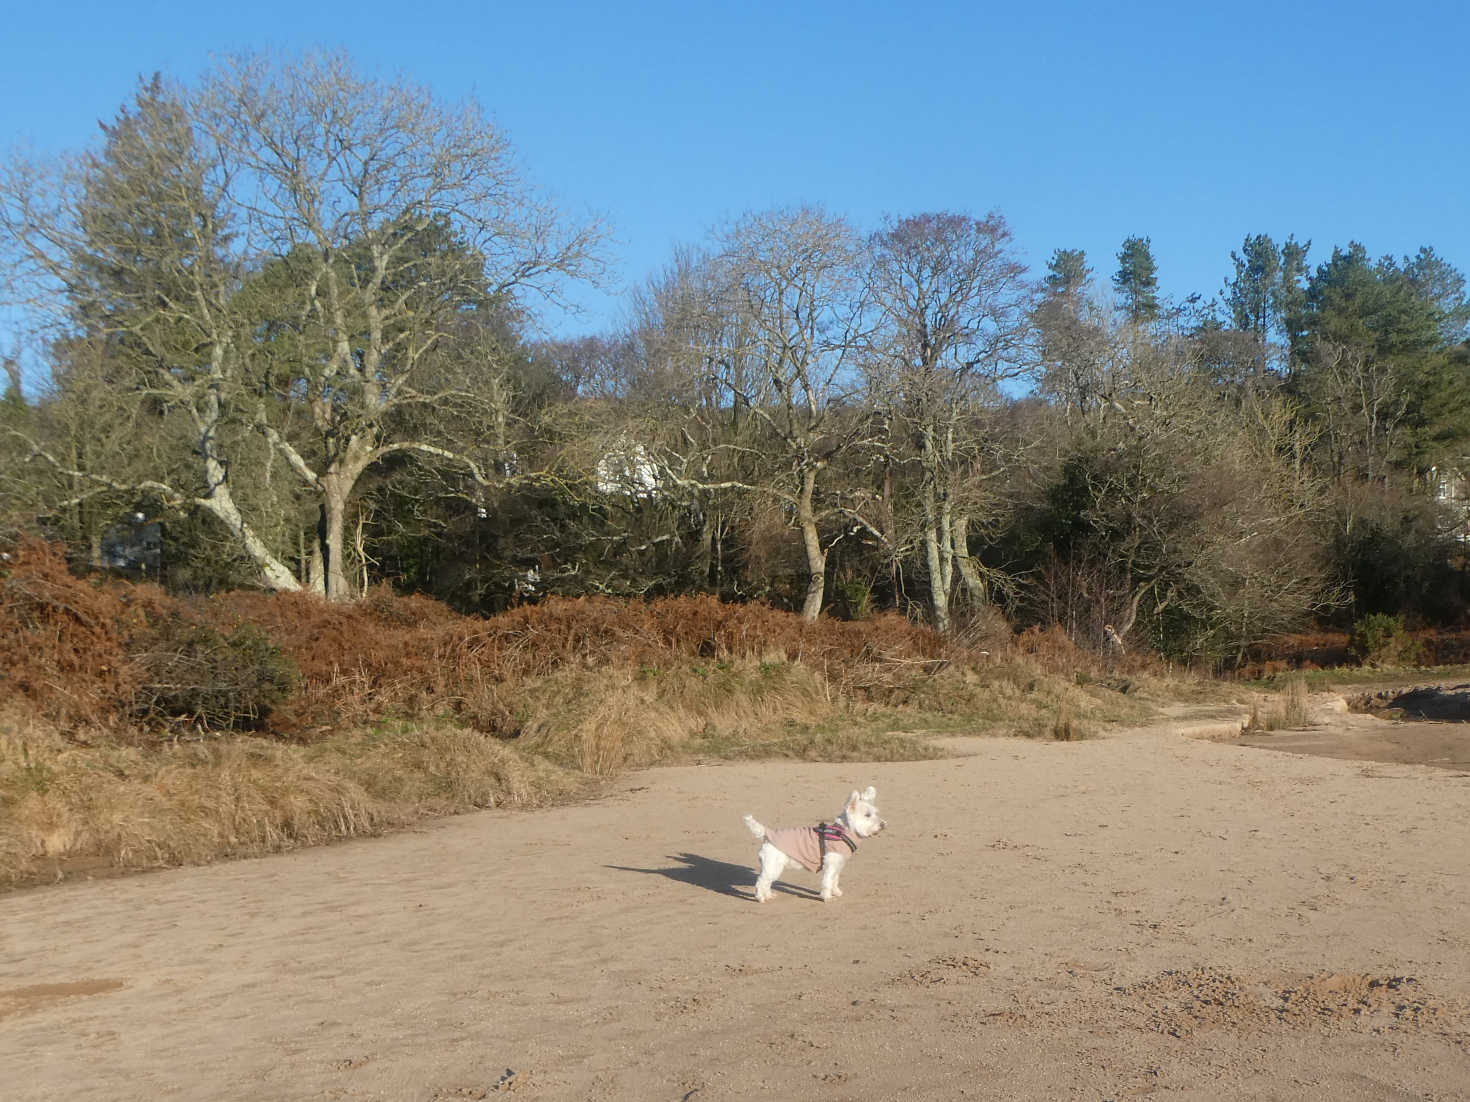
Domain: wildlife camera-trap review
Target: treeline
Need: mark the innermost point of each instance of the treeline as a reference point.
(290, 318)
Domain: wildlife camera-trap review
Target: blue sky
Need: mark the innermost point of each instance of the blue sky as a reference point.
(1081, 123)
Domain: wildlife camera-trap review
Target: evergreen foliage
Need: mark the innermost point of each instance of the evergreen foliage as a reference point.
(1137, 281)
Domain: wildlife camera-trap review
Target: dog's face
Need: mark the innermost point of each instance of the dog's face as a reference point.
(862, 814)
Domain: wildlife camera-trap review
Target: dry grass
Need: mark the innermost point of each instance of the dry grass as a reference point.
(113, 805)
(605, 721)
(1288, 710)
(95, 801)
(87, 799)
(399, 708)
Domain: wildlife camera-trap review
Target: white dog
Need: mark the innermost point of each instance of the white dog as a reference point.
(825, 847)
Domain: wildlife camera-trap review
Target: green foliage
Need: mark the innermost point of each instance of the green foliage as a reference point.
(1250, 295)
(1441, 285)
(1398, 557)
(1067, 273)
(852, 598)
(1137, 280)
(1265, 296)
(1379, 639)
(1372, 364)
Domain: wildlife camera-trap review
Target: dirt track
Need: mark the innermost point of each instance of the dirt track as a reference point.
(1146, 913)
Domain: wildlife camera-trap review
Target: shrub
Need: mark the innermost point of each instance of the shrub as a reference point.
(1380, 640)
(852, 598)
(196, 672)
(63, 639)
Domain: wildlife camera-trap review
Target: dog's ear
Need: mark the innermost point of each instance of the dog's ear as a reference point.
(870, 794)
(852, 801)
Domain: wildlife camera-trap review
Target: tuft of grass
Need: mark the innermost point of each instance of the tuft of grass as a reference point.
(1287, 710)
(1064, 727)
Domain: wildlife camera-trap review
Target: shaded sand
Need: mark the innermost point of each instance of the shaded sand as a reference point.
(1446, 745)
(1148, 913)
(1423, 725)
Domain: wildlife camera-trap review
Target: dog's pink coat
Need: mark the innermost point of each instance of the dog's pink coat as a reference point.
(803, 845)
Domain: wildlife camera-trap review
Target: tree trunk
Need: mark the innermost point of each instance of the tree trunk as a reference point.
(938, 546)
(946, 553)
(975, 586)
(816, 558)
(273, 572)
(1130, 615)
(938, 592)
(359, 545)
(333, 524)
(218, 499)
(704, 557)
(336, 487)
(316, 575)
(934, 556)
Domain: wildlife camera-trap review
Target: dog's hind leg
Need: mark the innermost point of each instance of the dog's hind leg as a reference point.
(773, 863)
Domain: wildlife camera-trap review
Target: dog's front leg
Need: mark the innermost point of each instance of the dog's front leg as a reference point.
(831, 870)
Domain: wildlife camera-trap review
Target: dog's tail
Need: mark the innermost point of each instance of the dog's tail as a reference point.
(755, 827)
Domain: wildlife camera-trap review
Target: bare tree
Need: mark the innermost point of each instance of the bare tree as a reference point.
(688, 336)
(1186, 512)
(756, 344)
(1364, 401)
(392, 213)
(794, 278)
(128, 248)
(301, 243)
(1081, 353)
(954, 306)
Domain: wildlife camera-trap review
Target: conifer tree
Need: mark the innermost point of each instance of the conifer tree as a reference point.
(1137, 281)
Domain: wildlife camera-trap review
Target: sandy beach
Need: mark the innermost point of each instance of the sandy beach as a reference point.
(1152, 912)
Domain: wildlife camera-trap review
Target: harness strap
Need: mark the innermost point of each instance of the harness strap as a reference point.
(831, 832)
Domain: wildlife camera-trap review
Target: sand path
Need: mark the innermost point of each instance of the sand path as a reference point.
(1143, 913)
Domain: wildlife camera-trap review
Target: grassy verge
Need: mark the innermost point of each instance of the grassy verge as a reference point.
(1354, 677)
(74, 799)
(65, 805)
(138, 729)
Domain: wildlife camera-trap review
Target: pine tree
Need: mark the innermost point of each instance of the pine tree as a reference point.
(1437, 282)
(1067, 273)
(1290, 296)
(1373, 365)
(1137, 281)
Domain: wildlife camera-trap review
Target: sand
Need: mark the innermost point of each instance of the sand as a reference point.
(1145, 913)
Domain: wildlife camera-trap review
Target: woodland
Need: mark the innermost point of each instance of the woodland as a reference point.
(287, 333)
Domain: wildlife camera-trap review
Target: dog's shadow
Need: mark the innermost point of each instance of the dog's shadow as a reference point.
(717, 876)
